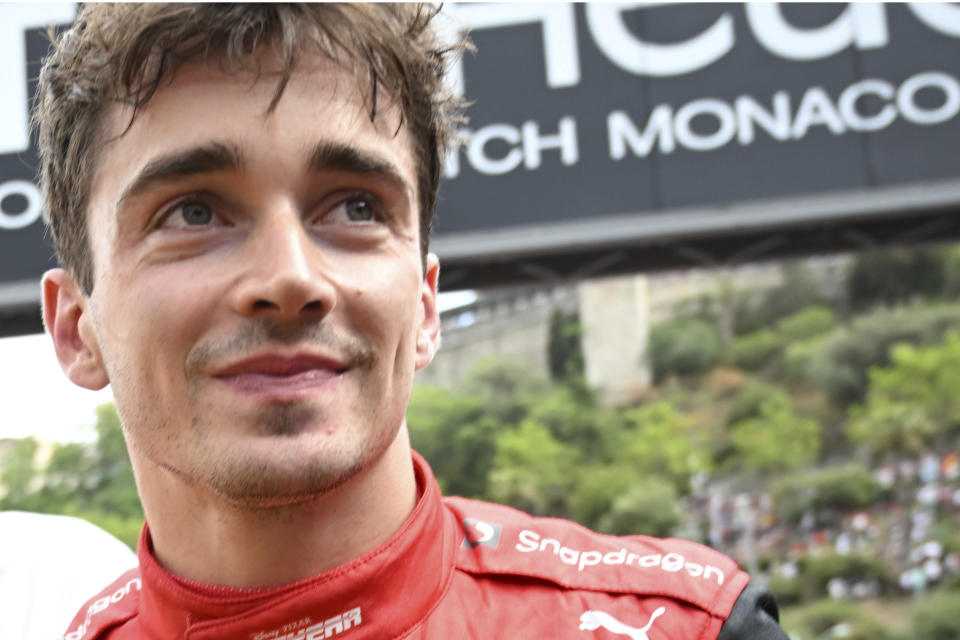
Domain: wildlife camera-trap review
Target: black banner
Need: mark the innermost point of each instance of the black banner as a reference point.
(591, 119)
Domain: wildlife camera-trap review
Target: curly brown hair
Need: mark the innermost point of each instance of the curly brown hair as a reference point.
(121, 53)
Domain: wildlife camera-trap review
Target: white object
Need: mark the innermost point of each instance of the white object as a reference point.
(49, 567)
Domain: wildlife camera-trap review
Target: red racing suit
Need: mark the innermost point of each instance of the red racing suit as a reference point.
(457, 569)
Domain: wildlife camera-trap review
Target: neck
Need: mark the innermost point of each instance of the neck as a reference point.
(201, 538)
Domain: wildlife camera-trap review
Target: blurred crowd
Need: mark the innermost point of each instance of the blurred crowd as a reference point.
(913, 529)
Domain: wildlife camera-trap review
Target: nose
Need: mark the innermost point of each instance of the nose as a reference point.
(283, 273)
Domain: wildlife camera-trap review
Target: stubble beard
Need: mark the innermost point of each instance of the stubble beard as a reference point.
(284, 454)
(288, 466)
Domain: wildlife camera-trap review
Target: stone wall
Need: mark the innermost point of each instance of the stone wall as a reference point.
(616, 314)
(512, 323)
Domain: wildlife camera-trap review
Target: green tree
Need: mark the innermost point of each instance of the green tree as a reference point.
(683, 347)
(755, 350)
(935, 618)
(848, 487)
(891, 429)
(895, 276)
(564, 351)
(807, 323)
(505, 387)
(456, 430)
(19, 476)
(840, 363)
(924, 376)
(818, 569)
(596, 487)
(750, 399)
(951, 272)
(456, 435)
(649, 508)
(661, 442)
(800, 288)
(532, 470)
(776, 438)
(835, 619)
(71, 476)
(912, 403)
(117, 490)
(571, 414)
(93, 481)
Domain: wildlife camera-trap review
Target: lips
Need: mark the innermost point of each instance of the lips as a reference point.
(282, 378)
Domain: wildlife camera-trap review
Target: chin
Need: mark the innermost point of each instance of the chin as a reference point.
(287, 467)
(250, 481)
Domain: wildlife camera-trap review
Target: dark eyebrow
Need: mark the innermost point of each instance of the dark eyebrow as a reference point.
(208, 158)
(328, 156)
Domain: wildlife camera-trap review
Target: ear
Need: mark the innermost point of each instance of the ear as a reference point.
(66, 314)
(428, 333)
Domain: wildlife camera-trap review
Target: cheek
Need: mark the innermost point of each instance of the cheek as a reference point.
(181, 294)
(388, 316)
(386, 294)
(155, 318)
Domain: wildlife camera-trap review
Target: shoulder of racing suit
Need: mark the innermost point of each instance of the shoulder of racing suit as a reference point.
(577, 579)
(114, 605)
(694, 588)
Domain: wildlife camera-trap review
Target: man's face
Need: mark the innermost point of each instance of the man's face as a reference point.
(259, 304)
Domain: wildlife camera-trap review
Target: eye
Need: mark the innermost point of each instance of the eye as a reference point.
(189, 214)
(196, 213)
(355, 209)
(359, 210)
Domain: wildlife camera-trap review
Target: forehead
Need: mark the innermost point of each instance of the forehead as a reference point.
(329, 84)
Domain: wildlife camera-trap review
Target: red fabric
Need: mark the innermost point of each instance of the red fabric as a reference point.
(457, 569)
